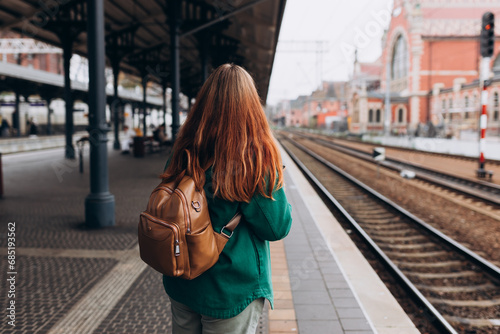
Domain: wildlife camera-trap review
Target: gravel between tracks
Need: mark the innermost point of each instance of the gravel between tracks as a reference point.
(475, 231)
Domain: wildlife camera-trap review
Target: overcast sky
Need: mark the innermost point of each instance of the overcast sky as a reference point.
(343, 25)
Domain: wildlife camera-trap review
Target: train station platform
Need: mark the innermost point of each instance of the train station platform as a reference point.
(70, 279)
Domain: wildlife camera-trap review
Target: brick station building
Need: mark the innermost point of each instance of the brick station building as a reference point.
(432, 50)
(325, 108)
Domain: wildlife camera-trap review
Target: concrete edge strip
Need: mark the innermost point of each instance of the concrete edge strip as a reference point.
(357, 289)
(88, 313)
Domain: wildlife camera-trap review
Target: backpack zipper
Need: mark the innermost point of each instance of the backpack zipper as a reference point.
(172, 226)
(186, 210)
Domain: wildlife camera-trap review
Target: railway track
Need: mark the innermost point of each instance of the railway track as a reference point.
(459, 290)
(482, 191)
(405, 149)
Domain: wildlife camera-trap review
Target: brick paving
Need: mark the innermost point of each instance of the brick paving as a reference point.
(47, 287)
(44, 194)
(60, 262)
(153, 315)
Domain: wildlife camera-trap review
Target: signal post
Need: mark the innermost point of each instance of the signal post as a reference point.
(487, 43)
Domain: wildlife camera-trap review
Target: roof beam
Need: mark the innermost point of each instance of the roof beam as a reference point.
(222, 18)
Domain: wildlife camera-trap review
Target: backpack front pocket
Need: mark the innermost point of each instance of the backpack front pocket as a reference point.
(203, 251)
(160, 245)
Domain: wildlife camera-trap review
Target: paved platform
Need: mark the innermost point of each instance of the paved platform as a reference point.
(74, 280)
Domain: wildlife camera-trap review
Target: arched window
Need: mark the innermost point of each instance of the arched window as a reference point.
(370, 116)
(399, 66)
(377, 117)
(400, 115)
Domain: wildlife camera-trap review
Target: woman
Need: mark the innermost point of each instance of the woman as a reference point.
(239, 166)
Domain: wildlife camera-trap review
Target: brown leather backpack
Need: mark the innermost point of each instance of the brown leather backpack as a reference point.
(176, 236)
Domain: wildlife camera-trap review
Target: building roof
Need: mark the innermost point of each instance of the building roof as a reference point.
(248, 36)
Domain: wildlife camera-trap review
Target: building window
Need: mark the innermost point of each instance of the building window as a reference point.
(370, 116)
(495, 106)
(450, 104)
(444, 105)
(377, 116)
(399, 67)
(400, 115)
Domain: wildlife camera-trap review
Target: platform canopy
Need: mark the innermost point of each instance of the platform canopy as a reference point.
(137, 33)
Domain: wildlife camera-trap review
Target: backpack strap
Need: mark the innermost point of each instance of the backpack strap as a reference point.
(227, 231)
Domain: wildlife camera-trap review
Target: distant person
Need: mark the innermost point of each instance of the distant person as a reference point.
(4, 128)
(160, 136)
(33, 127)
(128, 140)
(237, 162)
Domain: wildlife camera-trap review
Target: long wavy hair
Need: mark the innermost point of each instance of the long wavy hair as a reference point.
(227, 130)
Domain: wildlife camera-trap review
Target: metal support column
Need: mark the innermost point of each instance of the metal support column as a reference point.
(204, 45)
(144, 106)
(164, 96)
(100, 203)
(175, 22)
(16, 118)
(49, 120)
(67, 45)
(133, 115)
(116, 103)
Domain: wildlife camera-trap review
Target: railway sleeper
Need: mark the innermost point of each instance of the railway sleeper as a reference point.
(439, 255)
(429, 246)
(386, 231)
(479, 323)
(456, 289)
(447, 275)
(444, 264)
(404, 239)
(377, 220)
(466, 303)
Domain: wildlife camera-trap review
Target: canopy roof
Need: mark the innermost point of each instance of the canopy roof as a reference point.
(244, 32)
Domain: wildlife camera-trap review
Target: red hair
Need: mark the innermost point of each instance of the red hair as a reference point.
(228, 130)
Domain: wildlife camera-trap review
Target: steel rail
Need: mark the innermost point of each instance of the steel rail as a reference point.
(490, 192)
(436, 318)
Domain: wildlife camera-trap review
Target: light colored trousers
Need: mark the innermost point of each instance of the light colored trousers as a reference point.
(187, 321)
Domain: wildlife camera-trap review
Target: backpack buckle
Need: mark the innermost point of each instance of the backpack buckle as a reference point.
(224, 234)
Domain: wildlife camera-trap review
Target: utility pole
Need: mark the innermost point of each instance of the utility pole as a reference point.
(387, 118)
(318, 47)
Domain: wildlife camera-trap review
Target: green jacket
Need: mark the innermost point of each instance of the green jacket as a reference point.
(243, 271)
